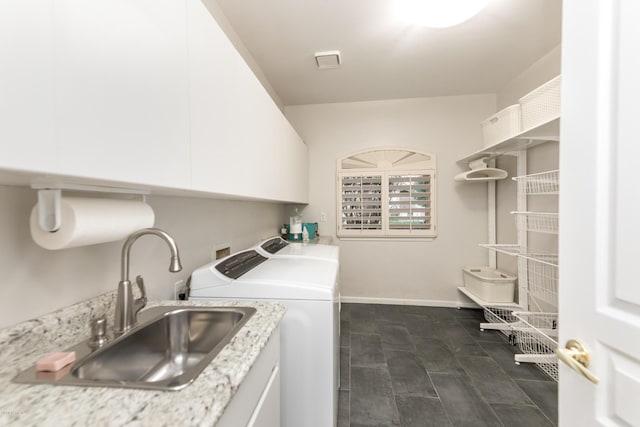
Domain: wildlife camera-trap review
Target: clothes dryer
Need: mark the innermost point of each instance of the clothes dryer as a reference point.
(309, 330)
(278, 247)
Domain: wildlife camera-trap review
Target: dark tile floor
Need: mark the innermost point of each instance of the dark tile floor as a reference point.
(428, 366)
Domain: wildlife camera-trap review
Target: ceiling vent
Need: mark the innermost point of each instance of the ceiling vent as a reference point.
(328, 59)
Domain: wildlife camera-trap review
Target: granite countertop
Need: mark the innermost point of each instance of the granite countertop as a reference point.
(201, 403)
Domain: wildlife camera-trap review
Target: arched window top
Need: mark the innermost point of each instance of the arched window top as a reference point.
(387, 159)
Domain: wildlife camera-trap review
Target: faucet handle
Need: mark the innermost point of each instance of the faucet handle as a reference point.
(139, 303)
(140, 283)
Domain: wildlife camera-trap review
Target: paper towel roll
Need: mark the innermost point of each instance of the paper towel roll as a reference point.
(87, 221)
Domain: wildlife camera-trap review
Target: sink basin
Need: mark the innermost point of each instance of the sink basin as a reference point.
(167, 351)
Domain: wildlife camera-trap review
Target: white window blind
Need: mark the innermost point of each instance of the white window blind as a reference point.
(386, 193)
(410, 202)
(361, 202)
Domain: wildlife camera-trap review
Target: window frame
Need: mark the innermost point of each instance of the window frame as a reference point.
(424, 164)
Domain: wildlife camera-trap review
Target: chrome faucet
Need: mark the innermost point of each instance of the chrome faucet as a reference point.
(127, 307)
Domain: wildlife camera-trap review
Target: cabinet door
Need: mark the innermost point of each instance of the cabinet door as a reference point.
(121, 106)
(241, 143)
(257, 400)
(267, 412)
(26, 85)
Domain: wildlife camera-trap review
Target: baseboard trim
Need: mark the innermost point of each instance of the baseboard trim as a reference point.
(401, 301)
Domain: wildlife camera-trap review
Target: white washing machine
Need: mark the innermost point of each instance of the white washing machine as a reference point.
(278, 247)
(310, 359)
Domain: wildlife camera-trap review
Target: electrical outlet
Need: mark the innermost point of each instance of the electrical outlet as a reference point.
(176, 289)
(323, 217)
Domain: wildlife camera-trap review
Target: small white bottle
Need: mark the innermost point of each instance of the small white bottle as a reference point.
(295, 225)
(305, 234)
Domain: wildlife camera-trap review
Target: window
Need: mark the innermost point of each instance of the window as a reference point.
(410, 202)
(361, 202)
(386, 193)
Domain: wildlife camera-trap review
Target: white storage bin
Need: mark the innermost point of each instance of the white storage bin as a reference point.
(489, 284)
(501, 126)
(541, 105)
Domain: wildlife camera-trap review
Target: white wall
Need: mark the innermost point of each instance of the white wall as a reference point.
(36, 281)
(540, 71)
(446, 126)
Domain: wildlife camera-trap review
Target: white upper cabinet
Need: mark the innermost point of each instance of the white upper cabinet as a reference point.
(142, 93)
(121, 97)
(26, 85)
(241, 143)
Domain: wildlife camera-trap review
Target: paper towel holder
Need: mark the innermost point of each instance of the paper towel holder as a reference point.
(50, 199)
(49, 209)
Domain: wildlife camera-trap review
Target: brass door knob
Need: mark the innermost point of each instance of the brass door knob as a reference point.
(578, 358)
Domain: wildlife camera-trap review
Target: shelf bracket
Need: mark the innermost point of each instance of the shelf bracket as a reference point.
(491, 216)
(521, 203)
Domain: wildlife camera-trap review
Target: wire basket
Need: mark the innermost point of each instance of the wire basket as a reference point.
(539, 183)
(541, 279)
(507, 249)
(501, 319)
(541, 222)
(537, 336)
(499, 315)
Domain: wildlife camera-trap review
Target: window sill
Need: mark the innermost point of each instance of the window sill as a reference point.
(387, 239)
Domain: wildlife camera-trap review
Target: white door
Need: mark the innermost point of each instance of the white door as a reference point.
(600, 209)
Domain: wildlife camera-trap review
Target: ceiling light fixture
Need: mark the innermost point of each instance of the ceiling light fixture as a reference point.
(437, 13)
(328, 59)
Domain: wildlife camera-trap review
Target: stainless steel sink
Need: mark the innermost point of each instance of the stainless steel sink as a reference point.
(167, 351)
